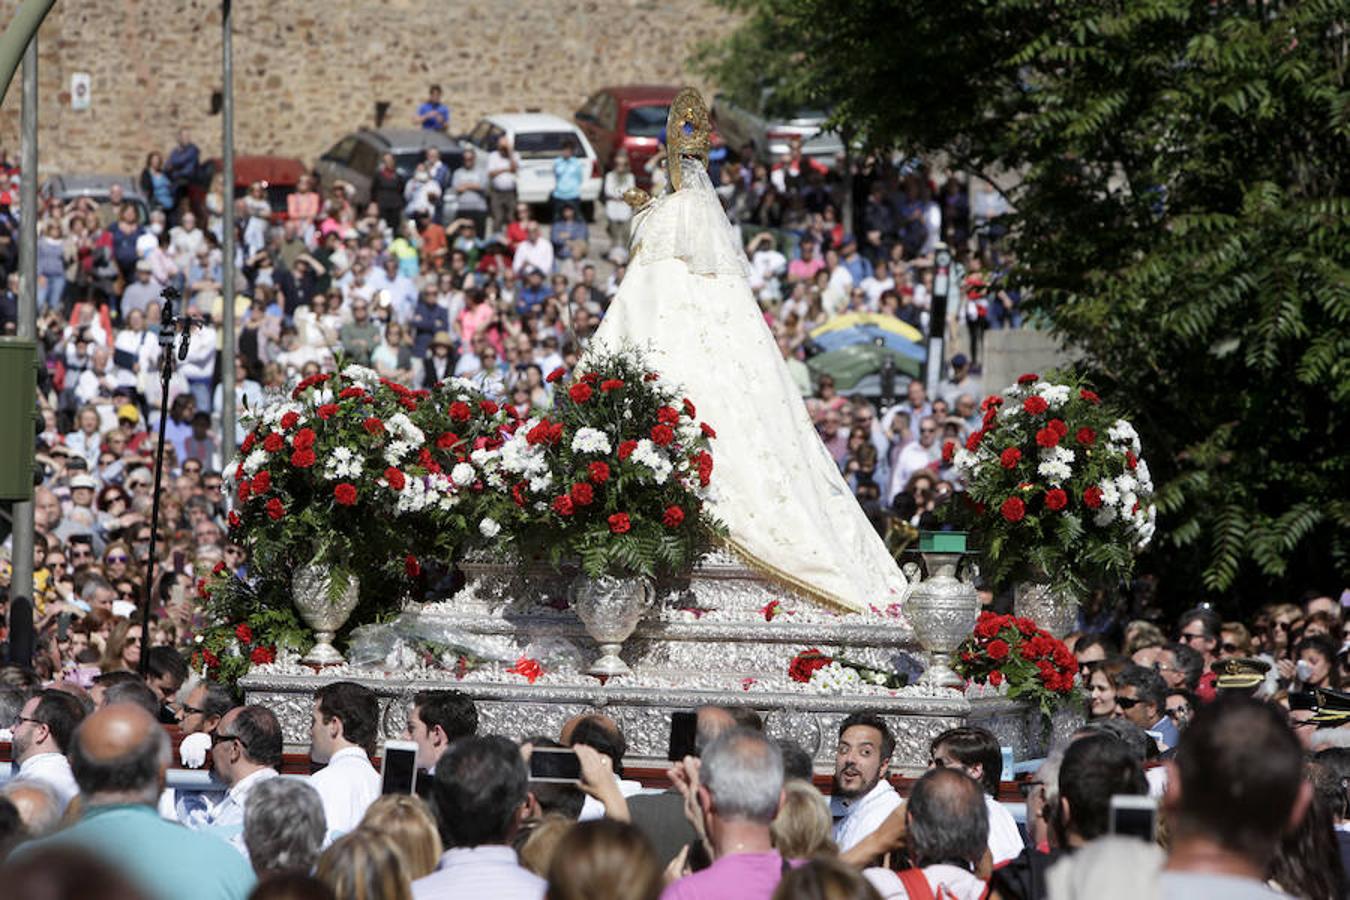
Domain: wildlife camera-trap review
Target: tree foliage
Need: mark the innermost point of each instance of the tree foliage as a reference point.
(1182, 215)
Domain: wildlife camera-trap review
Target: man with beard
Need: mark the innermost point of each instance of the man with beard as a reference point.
(41, 736)
(862, 797)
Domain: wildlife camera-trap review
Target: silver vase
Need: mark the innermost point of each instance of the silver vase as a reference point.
(610, 608)
(311, 591)
(1052, 607)
(943, 610)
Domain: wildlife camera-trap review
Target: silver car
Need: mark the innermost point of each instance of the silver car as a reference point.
(68, 188)
(356, 157)
(771, 128)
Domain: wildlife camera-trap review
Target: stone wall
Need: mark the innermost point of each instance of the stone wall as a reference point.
(307, 72)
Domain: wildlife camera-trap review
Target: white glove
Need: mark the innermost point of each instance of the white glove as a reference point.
(193, 750)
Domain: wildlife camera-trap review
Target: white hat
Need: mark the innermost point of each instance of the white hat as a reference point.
(83, 481)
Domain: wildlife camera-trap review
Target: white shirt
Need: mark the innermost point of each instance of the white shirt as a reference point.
(1005, 841)
(856, 819)
(487, 871)
(229, 812)
(52, 770)
(537, 253)
(956, 881)
(913, 457)
(594, 809)
(505, 179)
(347, 786)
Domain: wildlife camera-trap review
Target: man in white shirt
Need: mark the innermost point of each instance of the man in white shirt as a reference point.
(41, 735)
(536, 251)
(246, 751)
(915, 456)
(976, 752)
(479, 796)
(946, 830)
(502, 166)
(343, 731)
(862, 797)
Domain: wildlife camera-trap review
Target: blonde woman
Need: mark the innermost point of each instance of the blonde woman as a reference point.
(803, 827)
(407, 820)
(365, 865)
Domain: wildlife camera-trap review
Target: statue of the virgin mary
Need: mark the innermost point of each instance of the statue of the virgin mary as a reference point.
(686, 301)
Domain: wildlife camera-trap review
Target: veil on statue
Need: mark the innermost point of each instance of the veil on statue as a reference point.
(686, 301)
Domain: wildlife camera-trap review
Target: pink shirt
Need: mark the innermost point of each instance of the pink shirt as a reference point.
(741, 876)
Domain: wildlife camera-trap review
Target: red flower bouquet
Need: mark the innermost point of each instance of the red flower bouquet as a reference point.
(1033, 663)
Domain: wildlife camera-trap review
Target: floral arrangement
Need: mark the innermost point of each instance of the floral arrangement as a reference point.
(616, 476)
(354, 473)
(835, 674)
(1031, 661)
(1057, 485)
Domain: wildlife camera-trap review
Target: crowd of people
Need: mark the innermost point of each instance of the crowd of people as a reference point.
(1243, 809)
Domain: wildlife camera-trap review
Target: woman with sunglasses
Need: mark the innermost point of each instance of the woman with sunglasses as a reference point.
(123, 649)
(116, 560)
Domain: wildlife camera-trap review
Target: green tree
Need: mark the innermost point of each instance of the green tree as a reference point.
(1182, 215)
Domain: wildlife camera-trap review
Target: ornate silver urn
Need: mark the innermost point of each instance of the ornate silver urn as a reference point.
(942, 608)
(1052, 607)
(610, 608)
(322, 610)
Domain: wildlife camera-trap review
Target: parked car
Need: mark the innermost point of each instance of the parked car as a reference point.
(355, 158)
(630, 117)
(97, 188)
(772, 125)
(538, 139)
(281, 173)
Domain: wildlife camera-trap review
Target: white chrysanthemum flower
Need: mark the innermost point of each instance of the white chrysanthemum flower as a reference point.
(963, 460)
(1125, 483)
(1145, 477)
(590, 440)
(496, 481)
(480, 457)
(835, 679)
(463, 474)
(1054, 472)
(342, 453)
(255, 461)
(541, 483)
(1053, 394)
(489, 528)
(1110, 496)
(1105, 516)
(1123, 434)
(395, 453)
(324, 395)
(366, 376)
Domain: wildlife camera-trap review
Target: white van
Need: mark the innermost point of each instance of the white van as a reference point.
(538, 139)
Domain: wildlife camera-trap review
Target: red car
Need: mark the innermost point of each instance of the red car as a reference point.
(631, 117)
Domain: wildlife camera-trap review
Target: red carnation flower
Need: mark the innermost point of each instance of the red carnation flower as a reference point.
(590, 378)
(805, 664)
(529, 669)
(1090, 397)
(245, 490)
(1009, 458)
(948, 450)
(1058, 427)
(244, 633)
(995, 677)
(668, 416)
(249, 440)
(582, 493)
(273, 442)
(488, 407)
(580, 392)
(1085, 436)
(1131, 461)
(1047, 437)
(987, 626)
(411, 567)
(672, 517)
(348, 393)
(447, 440)
(556, 375)
(599, 472)
(304, 439)
(662, 435)
(303, 459)
(1056, 499)
(612, 384)
(234, 520)
(289, 419)
(261, 656)
(518, 494)
(973, 442)
(345, 493)
(626, 449)
(275, 508)
(707, 430)
(689, 407)
(327, 411)
(1034, 405)
(1028, 378)
(218, 568)
(997, 649)
(459, 411)
(1092, 497)
(373, 425)
(1013, 509)
(262, 481)
(651, 376)
(1025, 626)
(394, 478)
(619, 523)
(563, 506)
(211, 659)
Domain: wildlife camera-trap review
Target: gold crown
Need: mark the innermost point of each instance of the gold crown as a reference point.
(688, 132)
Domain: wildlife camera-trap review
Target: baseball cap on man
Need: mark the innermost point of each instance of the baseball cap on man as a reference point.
(129, 412)
(83, 481)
